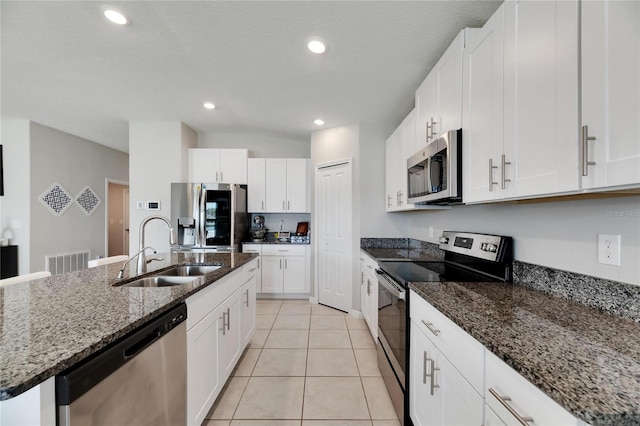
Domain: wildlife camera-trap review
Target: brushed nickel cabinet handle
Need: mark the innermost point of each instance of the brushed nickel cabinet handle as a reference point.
(288, 205)
(491, 167)
(523, 420)
(504, 173)
(424, 368)
(433, 376)
(431, 328)
(262, 204)
(221, 177)
(217, 177)
(585, 138)
(247, 299)
(388, 201)
(428, 132)
(433, 127)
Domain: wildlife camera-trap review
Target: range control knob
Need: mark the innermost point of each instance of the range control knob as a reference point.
(492, 248)
(444, 240)
(483, 246)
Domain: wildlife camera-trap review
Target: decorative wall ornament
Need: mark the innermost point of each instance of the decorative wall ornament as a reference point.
(56, 199)
(88, 200)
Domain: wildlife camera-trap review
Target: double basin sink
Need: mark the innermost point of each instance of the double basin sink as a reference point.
(178, 275)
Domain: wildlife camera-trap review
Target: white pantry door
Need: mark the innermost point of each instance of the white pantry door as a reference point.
(334, 227)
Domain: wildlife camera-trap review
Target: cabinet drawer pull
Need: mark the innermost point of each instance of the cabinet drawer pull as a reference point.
(388, 201)
(228, 318)
(524, 421)
(252, 269)
(433, 376)
(247, 300)
(425, 359)
(431, 328)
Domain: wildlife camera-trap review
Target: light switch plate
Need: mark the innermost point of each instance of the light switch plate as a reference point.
(609, 249)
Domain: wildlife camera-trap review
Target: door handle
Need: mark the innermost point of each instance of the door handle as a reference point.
(504, 164)
(228, 318)
(491, 167)
(523, 420)
(585, 150)
(247, 300)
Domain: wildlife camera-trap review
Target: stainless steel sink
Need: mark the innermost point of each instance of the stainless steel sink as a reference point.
(189, 270)
(159, 281)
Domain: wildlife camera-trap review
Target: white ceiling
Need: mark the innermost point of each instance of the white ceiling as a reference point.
(65, 66)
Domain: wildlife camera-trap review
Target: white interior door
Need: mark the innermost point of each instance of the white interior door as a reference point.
(334, 218)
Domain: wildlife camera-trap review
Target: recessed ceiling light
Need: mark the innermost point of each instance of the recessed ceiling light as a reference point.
(209, 105)
(316, 46)
(318, 122)
(115, 16)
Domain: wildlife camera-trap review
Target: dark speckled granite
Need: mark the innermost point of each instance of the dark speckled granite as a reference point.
(401, 248)
(610, 296)
(50, 324)
(586, 360)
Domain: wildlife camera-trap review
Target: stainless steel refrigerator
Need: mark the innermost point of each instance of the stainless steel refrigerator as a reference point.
(209, 216)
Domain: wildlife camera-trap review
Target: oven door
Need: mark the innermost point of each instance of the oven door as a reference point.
(392, 339)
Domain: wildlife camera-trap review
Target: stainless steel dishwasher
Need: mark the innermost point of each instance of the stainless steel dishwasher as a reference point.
(140, 379)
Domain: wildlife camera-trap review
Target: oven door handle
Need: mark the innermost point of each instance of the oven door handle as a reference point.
(390, 285)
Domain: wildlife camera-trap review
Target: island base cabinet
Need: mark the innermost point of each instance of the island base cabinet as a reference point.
(203, 379)
(230, 338)
(439, 394)
(249, 286)
(507, 388)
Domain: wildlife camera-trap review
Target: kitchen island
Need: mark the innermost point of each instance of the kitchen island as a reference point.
(48, 325)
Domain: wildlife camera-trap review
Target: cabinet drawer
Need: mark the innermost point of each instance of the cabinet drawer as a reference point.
(200, 304)
(525, 398)
(369, 262)
(462, 350)
(283, 250)
(252, 248)
(249, 270)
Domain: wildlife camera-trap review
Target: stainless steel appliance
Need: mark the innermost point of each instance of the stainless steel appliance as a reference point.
(209, 216)
(435, 172)
(139, 379)
(468, 257)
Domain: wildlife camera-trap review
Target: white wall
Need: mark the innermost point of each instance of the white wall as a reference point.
(74, 163)
(16, 205)
(158, 156)
(259, 145)
(335, 144)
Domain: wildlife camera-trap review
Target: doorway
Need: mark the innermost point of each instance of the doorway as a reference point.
(117, 220)
(334, 213)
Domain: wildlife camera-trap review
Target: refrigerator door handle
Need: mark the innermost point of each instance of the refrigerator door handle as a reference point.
(202, 213)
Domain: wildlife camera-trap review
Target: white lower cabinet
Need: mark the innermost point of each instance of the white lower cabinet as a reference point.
(257, 249)
(439, 394)
(369, 293)
(285, 269)
(216, 338)
(249, 285)
(513, 398)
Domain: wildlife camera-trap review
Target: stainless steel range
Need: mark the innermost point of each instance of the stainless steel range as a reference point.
(468, 257)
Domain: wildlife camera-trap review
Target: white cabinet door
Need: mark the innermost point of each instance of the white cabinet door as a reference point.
(248, 309)
(483, 113)
(439, 394)
(203, 381)
(255, 248)
(541, 92)
(294, 274)
(371, 287)
(364, 299)
(272, 274)
(230, 334)
(390, 176)
(449, 69)
(401, 172)
(611, 92)
(233, 166)
(204, 165)
(276, 184)
(426, 110)
(297, 185)
(256, 185)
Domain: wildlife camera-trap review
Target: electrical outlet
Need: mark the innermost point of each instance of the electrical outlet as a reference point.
(609, 249)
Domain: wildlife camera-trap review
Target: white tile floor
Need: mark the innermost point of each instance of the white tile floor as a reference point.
(307, 365)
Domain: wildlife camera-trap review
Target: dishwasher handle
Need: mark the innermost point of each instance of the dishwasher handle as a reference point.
(142, 344)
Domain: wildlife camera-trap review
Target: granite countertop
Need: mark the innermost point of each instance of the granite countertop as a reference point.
(48, 325)
(586, 360)
(277, 242)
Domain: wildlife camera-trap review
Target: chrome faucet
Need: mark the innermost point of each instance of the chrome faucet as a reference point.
(124, 265)
(142, 261)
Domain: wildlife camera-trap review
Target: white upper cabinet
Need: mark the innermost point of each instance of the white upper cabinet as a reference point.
(256, 185)
(610, 67)
(218, 165)
(390, 174)
(278, 185)
(520, 132)
(439, 98)
(541, 97)
(483, 111)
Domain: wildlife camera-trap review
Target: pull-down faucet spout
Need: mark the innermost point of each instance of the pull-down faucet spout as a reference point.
(142, 261)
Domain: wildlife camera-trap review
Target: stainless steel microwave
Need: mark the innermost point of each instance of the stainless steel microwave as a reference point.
(435, 172)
